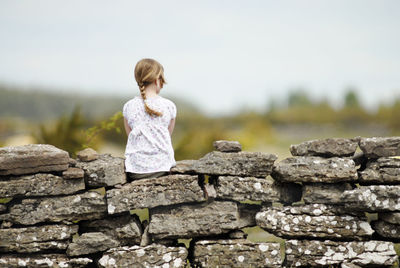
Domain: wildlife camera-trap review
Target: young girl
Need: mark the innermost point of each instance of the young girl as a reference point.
(149, 121)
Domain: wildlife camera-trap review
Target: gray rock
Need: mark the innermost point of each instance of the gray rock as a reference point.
(184, 167)
(387, 230)
(153, 255)
(149, 193)
(3, 208)
(86, 206)
(250, 188)
(380, 147)
(315, 169)
(326, 253)
(105, 171)
(374, 198)
(37, 238)
(325, 147)
(324, 193)
(247, 164)
(313, 221)
(146, 239)
(39, 185)
(87, 155)
(385, 170)
(390, 217)
(209, 191)
(205, 219)
(89, 243)
(126, 229)
(73, 173)
(227, 146)
(42, 260)
(32, 158)
(236, 253)
(237, 234)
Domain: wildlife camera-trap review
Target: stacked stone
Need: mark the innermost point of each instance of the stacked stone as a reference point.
(325, 229)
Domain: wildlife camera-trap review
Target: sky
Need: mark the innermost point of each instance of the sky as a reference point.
(221, 56)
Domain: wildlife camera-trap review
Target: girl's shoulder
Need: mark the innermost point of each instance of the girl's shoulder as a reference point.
(167, 101)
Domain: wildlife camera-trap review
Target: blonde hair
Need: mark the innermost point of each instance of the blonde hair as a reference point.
(146, 72)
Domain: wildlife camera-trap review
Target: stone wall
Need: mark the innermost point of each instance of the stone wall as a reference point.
(332, 205)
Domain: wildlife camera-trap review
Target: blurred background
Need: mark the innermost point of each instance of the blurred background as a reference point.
(265, 73)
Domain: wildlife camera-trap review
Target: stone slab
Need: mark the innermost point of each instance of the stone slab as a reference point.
(325, 147)
(39, 185)
(149, 193)
(313, 221)
(86, 206)
(87, 155)
(227, 146)
(384, 170)
(37, 238)
(42, 260)
(32, 158)
(73, 173)
(324, 193)
(380, 146)
(195, 220)
(387, 230)
(154, 255)
(236, 253)
(315, 169)
(306, 253)
(390, 217)
(88, 243)
(184, 167)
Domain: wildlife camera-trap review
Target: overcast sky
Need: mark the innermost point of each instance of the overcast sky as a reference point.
(220, 55)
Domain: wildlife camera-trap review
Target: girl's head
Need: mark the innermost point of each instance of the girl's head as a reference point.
(147, 72)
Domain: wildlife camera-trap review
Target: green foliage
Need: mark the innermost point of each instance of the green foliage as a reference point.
(298, 98)
(351, 99)
(112, 123)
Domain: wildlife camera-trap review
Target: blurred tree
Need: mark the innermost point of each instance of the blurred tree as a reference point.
(115, 122)
(298, 98)
(351, 98)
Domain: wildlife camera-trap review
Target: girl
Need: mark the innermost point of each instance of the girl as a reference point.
(149, 122)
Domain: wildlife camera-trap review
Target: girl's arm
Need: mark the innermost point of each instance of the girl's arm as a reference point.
(171, 126)
(127, 127)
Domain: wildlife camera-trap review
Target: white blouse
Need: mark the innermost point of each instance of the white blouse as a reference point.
(149, 147)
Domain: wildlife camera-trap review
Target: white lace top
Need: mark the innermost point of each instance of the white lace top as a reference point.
(149, 146)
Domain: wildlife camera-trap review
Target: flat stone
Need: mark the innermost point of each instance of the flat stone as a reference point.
(384, 170)
(42, 260)
(184, 167)
(245, 164)
(126, 229)
(205, 219)
(373, 198)
(37, 238)
(87, 206)
(73, 173)
(87, 155)
(154, 255)
(390, 217)
(380, 146)
(315, 169)
(325, 147)
(89, 243)
(105, 171)
(39, 185)
(324, 193)
(3, 208)
(387, 230)
(149, 193)
(314, 253)
(313, 221)
(227, 146)
(254, 189)
(236, 253)
(32, 158)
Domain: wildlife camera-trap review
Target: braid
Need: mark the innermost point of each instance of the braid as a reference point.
(146, 107)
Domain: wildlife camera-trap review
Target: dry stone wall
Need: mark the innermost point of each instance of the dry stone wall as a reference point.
(333, 206)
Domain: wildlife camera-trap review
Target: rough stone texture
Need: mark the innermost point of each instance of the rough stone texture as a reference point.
(254, 189)
(313, 221)
(105, 171)
(149, 193)
(324, 253)
(325, 147)
(390, 217)
(39, 185)
(385, 170)
(33, 158)
(184, 167)
(90, 243)
(324, 193)
(35, 239)
(236, 253)
(3, 208)
(87, 155)
(373, 198)
(387, 230)
(153, 255)
(126, 229)
(315, 169)
(204, 219)
(42, 260)
(86, 206)
(73, 173)
(249, 164)
(380, 146)
(227, 146)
